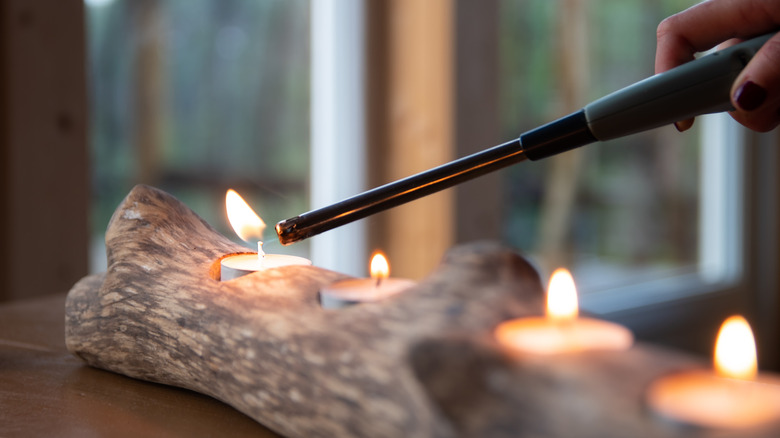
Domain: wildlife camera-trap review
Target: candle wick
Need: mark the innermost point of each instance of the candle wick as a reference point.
(378, 281)
(260, 252)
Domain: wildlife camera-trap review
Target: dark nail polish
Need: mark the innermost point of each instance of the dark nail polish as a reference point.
(683, 125)
(750, 96)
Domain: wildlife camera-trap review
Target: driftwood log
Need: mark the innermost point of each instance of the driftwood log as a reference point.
(421, 364)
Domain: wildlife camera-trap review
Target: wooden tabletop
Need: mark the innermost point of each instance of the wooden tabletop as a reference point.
(45, 391)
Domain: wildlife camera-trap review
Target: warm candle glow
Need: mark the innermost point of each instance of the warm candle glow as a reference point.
(735, 396)
(562, 302)
(245, 222)
(352, 291)
(735, 350)
(561, 330)
(249, 226)
(380, 269)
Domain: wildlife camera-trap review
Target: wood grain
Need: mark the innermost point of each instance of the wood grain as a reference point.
(421, 364)
(411, 99)
(46, 392)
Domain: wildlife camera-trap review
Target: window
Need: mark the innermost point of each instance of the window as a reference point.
(616, 211)
(664, 231)
(656, 227)
(196, 97)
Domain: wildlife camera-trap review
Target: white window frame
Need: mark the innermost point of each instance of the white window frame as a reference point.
(338, 153)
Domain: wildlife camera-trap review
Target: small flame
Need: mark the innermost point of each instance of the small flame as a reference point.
(380, 269)
(245, 222)
(562, 302)
(735, 350)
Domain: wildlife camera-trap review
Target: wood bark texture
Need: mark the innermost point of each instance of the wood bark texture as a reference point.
(420, 364)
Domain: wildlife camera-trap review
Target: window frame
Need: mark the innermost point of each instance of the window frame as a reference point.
(686, 311)
(721, 256)
(338, 155)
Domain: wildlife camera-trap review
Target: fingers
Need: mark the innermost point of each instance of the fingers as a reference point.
(683, 125)
(756, 92)
(707, 24)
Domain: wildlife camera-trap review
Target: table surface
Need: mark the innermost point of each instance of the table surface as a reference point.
(45, 391)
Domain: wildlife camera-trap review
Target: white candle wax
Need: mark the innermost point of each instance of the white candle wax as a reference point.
(242, 264)
(361, 290)
(544, 335)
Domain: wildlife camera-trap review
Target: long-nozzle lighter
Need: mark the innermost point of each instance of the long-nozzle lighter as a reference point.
(699, 87)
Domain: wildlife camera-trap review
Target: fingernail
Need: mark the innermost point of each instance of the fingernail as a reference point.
(683, 125)
(749, 96)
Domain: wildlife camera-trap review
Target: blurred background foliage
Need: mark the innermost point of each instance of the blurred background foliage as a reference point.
(631, 204)
(196, 96)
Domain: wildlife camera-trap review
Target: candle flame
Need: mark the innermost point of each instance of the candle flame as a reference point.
(562, 301)
(245, 222)
(379, 269)
(735, 350)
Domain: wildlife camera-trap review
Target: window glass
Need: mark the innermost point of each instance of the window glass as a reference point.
(197, 96)
(617, 213)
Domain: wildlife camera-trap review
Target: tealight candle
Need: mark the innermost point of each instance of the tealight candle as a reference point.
(561, 330)
(249, 227)
(731, 397)
(242, 264)
(361, 290)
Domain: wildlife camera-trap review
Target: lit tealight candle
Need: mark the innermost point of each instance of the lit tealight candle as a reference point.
(561, 330)
(249, 227)
(361, 290)
(731, 397)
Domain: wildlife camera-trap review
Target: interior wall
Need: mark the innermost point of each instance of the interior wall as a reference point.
(43, 138)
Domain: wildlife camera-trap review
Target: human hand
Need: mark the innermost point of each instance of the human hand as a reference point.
(756, 92)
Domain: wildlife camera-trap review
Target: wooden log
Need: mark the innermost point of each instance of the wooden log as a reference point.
(420, 364)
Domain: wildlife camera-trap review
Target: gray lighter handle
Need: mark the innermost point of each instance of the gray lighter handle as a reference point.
(699, 87)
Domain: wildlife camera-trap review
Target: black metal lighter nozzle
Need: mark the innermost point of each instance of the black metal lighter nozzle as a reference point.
(561, 135)
(399, 192)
